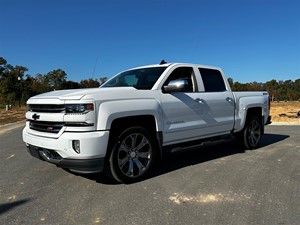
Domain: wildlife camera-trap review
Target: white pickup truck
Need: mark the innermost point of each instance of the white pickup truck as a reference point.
(128, 123)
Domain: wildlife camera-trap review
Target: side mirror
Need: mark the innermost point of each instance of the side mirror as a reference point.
(176, 86)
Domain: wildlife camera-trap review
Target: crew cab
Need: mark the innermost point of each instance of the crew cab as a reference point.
(132, 120)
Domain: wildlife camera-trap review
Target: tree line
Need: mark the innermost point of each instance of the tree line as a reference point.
(16, 86)
(282, 90)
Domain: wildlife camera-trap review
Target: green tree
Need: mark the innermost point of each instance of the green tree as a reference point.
(11, 82)
(272, 87)
(230, 81)
(297, 89)
(89, 83)
(40, 84)
(70, 85)
(56, 78)
(19, 72)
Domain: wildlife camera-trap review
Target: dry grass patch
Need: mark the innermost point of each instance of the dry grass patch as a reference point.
(11, 116)
(287, 110)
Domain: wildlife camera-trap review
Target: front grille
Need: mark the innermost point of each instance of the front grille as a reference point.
(50, 127)
(46, 108)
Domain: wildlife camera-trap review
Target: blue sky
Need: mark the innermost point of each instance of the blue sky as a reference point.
(251, 40)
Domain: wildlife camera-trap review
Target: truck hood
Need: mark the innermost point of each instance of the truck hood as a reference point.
(89, 93)
(73, 94)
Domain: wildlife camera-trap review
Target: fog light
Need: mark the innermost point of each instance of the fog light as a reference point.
(76, 146)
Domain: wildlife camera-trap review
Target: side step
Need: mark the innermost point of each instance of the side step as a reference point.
(192, 145)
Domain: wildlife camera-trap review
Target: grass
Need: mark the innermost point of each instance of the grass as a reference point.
(14, 115)
(287, 110)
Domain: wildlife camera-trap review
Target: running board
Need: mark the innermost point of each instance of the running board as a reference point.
(187, 146)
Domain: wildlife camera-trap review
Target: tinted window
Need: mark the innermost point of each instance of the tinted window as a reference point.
(212, 80)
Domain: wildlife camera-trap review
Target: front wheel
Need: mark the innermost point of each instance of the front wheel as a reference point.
(251, 134)
(133, 155)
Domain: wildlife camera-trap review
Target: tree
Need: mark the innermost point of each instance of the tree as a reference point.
(56, 78)
(19, 72)
(272, 88)
(89, 83)
(70, 85)
(297, 89)
(39, 84)
(230, 81)
(102, 80)
(11, 82)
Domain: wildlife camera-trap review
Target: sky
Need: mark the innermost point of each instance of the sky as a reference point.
(251, 40)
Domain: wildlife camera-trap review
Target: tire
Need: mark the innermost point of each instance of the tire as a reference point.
(133, 155)
(251, 134)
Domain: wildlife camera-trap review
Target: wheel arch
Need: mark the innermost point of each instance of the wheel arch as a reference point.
(245, 114)
(148, 122)
(257, 112)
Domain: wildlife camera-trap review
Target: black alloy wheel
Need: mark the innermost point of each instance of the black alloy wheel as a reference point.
(252, 133)
(133, 155)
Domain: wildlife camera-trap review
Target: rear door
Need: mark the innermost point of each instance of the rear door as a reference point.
(219, 101)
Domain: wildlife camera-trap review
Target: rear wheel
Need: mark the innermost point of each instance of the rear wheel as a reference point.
(251, 134)
(133, 155)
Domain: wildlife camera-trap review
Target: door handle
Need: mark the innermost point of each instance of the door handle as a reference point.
(229, 99)
(199, 100)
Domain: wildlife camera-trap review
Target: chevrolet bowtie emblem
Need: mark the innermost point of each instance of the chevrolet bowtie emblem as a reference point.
(35, 116)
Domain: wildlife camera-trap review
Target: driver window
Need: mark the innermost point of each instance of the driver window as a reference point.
(183, 73)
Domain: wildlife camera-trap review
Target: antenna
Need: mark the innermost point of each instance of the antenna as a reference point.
(95, 68)
(162, 62)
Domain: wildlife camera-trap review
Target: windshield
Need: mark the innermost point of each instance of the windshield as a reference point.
(143, 78)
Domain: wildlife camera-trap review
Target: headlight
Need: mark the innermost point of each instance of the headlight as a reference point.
(79, 108)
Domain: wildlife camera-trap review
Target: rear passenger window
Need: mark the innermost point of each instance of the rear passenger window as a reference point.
(212, 80)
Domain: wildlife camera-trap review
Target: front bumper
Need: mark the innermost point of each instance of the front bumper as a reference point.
(59, 151)
(75, 165)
